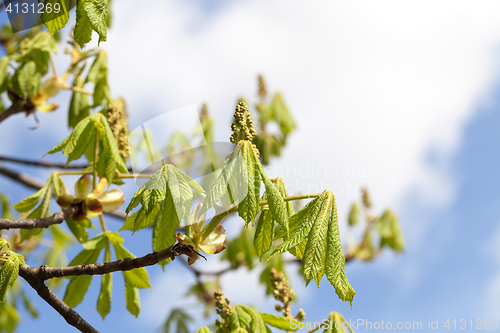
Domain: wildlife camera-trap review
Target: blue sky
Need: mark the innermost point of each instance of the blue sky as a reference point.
(412, 92)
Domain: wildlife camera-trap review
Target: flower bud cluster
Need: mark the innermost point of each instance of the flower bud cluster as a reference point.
(242, 126)
(366, 198)
(262, 87)
(116, 115)
(283, 293)
(224, 310)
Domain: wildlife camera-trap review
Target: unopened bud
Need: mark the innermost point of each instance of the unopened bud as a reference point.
(83, 186)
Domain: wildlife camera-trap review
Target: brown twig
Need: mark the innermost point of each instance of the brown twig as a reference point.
(14, 108)
(70, 315)
(57, 218)
(41, 164)
(45, 272)
(36, 277)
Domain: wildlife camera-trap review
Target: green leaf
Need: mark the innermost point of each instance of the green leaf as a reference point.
(83, 28)
(97, 242)
(239, 317)
(104, 300)
(29, 305)
(284, 193)
(79, 139)
(41, 211)
(3, 243)
(335, 260)
(55, 21)
(278, 111)
(78, 285)
(239, 330)
(96, 12)
(249, 207)
(317, 222)
(26, 80)
(37, 49)
(60, 146)
(99, 69)
(247, 249)
(179, 318)
(203, 329)
(31, 201)
(101, 90)
(336, 324)
(257, 324)
(276, 203)
(229, 174)
(145, 219)
(137, 277)
(390, 231)
(314, 259)
(80, 105)
(354, 215)
(132, 299)
(166, 222)
(154, 191)
(129, 222)
(84, 134)
(78, 229)
(9, 272)
(283, 323)
(301, 225)
(179, 189)
(263, 238)
(4, 75)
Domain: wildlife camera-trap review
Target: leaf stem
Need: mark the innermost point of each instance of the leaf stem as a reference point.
(133, 175)
(103, 223)
(96, 152)
(80, 90)
(52, 64)
(68, 173)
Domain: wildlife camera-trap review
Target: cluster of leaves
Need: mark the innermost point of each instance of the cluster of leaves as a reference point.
(9, 314)
(91, 15)
(135, 279)
(165, 200)
(9, 268)
(387, 227)
(93, 137)
(31, 62)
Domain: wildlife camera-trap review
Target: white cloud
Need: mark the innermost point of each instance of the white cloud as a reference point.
(374, 86)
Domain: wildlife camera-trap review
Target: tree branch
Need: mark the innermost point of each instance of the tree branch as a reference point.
(70, 315)
(14, 108)
(57, 218)
(41, 164)
(45, 272)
